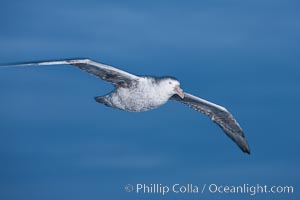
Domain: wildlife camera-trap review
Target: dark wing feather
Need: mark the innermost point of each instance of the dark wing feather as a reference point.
(220, 116)
(108, 73)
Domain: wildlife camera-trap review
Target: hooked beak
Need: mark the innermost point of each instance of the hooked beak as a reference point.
(179, 91)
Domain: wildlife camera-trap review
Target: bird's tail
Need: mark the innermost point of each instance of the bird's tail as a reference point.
(103, 100)
(100, 99)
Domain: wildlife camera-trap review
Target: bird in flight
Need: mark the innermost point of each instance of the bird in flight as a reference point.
(142, 93)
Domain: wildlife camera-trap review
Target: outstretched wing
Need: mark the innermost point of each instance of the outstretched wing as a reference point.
(108, 73)
(220, 116)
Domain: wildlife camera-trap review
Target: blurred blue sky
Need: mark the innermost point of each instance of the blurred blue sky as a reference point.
(56, 142)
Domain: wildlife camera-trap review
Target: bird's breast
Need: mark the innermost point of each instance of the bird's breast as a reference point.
(138, 99)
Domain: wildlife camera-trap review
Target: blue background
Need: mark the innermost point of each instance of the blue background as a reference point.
(56, 142)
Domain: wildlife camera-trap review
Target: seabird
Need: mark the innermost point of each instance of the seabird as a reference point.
(142, 93)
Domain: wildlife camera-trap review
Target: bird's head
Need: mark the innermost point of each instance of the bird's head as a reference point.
(173, 86)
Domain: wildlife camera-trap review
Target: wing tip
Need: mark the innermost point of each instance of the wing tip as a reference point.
(244, 147)
(45, 62)
(246, 150)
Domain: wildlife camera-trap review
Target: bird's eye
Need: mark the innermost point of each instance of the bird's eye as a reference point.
(170, 82)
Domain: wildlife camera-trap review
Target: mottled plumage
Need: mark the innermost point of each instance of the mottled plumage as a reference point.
(139, 93)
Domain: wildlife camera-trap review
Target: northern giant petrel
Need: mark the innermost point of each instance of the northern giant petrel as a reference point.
(142, 93)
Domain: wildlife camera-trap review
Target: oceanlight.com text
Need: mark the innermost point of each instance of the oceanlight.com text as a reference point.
(248, 189)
